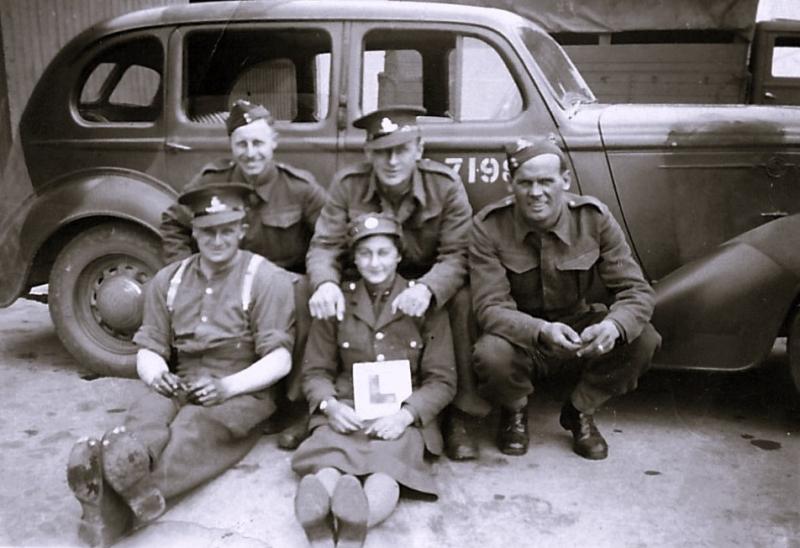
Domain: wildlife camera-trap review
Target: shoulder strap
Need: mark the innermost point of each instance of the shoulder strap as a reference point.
(249, 275)
(174, 282)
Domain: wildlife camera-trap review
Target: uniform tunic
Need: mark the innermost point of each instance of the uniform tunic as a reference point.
(362, 336)
(286, 205)
(522, 278)
(281, 221)
(214, 336)
(436, 218)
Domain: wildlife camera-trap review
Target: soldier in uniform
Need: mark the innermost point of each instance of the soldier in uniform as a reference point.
(430, 203)
(390, 450)
(284, 206)
(533, 258)
(225, 319)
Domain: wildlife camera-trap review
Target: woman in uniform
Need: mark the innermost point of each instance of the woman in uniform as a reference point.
(352, 468)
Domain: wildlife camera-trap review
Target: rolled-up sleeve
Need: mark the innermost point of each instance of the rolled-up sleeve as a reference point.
(437, 369)
(495, 308)
(272, 315)
(155, 333)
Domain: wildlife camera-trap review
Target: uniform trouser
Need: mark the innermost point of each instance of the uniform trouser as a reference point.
(302, 316)
(190, 444)
(464, 330)
(505, 370)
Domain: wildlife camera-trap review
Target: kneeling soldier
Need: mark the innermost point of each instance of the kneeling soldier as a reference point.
(226, 316)
(533, 258)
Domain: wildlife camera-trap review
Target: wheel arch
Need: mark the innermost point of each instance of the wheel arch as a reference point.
(69, 206)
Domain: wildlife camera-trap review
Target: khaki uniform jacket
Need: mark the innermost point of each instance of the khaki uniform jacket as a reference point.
(282, 215)
(333, 347)
(520, 278)
(435, 215)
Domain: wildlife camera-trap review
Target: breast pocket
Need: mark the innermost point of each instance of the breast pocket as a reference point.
(524, 277)
(280, 236)
(286, 218)
(579, 266)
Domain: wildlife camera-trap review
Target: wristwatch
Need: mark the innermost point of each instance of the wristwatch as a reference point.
(323, 405)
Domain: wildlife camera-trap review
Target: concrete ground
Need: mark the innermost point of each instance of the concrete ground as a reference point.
(695, 460)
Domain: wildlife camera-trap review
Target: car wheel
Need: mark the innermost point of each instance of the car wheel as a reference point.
(793, 347)
(96, 294)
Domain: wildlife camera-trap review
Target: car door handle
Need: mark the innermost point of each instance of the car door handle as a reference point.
(773, 214)
(177, 146)
(769, 95)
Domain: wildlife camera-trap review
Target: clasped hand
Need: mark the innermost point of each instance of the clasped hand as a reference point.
(344, 420)
(564, 342)
(204, 391)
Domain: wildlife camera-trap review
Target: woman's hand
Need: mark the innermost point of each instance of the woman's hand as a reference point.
(207, 391)
(342, 417)
(392, 426)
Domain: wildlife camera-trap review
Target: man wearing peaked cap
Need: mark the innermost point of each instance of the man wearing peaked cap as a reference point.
(216, 335)
(282, 211)
(429, 201)
(534, 257)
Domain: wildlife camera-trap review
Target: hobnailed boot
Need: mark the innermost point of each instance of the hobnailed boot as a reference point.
(459, 445)
(126, 467)
(586, 439)
(104, 518)
(512, 436)
(294, 434)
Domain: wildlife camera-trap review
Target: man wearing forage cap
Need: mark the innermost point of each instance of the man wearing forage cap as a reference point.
(431, 204)
(225, 318)
(533, 258)
(283, 208)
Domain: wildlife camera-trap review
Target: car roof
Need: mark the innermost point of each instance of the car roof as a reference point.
(350, 10)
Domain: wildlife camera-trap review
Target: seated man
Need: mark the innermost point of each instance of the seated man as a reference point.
(283, 208)
(533, 258)
(226, 316)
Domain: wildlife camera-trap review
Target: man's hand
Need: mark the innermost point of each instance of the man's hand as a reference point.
(560, 340)
(326, 302)
(207, 391)
(392, 426)
(413, 301)
(598, 339)
(167, 384)
(342, 417)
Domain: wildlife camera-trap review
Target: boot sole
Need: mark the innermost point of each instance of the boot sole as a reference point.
(312, 506)
(126, 465)
(351, 509)
(85, 479)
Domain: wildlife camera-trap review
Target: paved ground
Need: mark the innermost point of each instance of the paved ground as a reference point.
(695, 460)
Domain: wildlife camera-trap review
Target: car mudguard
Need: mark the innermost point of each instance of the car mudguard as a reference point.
(108, 193)
(724, 311)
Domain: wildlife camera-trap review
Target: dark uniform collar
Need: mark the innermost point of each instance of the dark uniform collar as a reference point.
(562, 229)
(417, 188)
(361, 303)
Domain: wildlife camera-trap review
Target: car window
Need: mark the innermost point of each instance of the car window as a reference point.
(786, 57)
(453, 76)
(123, 83)
(286, 70)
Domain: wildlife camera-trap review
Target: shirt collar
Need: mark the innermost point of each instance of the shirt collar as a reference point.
(417, 188)
(561, 229)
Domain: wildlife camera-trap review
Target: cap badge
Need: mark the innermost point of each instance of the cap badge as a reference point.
(216, 206)
(387, 126)
(370, 222)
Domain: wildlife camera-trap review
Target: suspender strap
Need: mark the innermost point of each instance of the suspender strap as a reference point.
(174, 283)
(249, 275)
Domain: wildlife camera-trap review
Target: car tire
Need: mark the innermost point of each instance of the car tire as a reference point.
(793, 347)
(96, 294)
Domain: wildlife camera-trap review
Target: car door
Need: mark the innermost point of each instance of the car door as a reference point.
(470, 81)
(776, 56)
(288, 67)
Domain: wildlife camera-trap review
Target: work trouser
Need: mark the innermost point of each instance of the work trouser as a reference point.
(505, 370)
(464, 330)
(190, 444)
(302, 317)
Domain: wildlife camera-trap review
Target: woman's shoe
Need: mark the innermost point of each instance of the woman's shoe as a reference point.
(312, 506)
(351, 510)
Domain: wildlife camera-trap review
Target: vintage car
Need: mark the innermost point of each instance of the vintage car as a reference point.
(130, 109)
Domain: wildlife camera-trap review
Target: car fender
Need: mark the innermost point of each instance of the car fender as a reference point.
(724, 311)
(108, 193)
